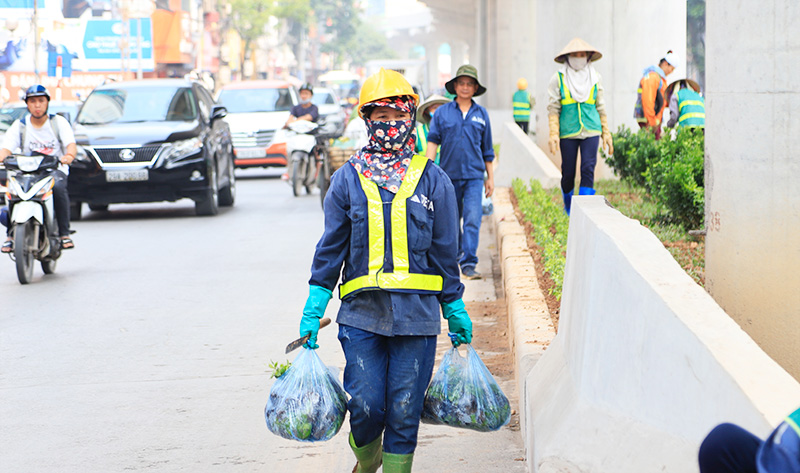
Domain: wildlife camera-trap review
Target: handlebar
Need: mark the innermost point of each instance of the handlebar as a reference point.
(31, 163)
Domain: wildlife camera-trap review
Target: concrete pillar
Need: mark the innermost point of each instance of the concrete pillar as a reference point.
(432, 61)
(478, 52)
(458, 55)
(752, 194)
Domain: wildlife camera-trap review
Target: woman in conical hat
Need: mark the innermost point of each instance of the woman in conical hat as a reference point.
(577, 116)
(424, 114)
(686, 106)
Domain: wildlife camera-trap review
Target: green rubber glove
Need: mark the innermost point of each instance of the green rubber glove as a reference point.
(316, 303)
(458, 322)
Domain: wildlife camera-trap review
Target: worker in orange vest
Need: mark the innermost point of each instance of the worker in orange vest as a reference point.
(651, 100)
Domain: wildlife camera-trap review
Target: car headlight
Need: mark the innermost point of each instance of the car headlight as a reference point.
(82, 156)
(180, 149)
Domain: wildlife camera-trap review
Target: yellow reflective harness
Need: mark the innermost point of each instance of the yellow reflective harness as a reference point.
(401, 278)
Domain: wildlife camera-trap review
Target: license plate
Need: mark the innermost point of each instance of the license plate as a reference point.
(127, 176)
(250, 152)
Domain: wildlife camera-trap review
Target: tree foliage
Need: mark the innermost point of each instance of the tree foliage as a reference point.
(250, 18)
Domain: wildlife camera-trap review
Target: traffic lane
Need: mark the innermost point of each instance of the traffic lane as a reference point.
(157, 355)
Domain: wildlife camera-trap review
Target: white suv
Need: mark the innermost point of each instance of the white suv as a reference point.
(257, 111)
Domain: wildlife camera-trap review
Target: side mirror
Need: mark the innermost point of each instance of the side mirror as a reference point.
(218, 112)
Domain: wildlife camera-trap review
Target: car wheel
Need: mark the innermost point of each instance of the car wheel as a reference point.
(75, 210)
(227, 195)
(98, 207)
(210, 204)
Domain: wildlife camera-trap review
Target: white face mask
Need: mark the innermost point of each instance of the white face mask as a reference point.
(577, 63)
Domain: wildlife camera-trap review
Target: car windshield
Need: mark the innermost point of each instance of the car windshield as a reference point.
(322, 98)
(256, 100)
(66, 111)
(9, 114)
(138, 104)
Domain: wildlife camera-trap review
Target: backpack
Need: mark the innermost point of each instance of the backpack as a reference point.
(23, 131)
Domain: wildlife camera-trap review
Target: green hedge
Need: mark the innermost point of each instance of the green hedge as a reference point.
(550, 225)
(670, 170)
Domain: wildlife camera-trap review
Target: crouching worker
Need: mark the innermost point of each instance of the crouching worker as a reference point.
(391, 219)
(729, 448)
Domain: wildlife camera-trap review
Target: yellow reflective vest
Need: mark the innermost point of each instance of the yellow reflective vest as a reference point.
(521, 102)
(401, 277)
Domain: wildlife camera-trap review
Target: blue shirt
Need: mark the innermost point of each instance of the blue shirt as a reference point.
(466, 142)
(780, 453)
(432, 221)
(299, 111)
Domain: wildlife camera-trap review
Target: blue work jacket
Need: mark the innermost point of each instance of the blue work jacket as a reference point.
(432, 222)
(466, 143)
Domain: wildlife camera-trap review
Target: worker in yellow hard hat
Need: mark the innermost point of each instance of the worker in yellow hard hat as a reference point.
(522, 102)
(391, 221)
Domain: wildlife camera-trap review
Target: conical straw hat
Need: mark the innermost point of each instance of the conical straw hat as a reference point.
(576, 45)
(434, 99)
(694, 85)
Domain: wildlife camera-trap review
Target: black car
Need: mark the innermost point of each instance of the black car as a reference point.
(150, 141)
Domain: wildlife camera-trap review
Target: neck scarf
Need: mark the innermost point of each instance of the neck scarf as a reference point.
(579, 82)
(387, 155)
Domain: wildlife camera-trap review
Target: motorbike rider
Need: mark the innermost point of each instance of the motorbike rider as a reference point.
(52, 135)
(391, 221)
(305, 110)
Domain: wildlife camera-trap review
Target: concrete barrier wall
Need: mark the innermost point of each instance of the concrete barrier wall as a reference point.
(520, 157)
(645, 363)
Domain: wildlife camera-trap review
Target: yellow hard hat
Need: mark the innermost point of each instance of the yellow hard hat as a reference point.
(522, 84)
(384, 84)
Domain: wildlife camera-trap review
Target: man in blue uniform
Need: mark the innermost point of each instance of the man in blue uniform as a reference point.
(729, 448)
(463, 131)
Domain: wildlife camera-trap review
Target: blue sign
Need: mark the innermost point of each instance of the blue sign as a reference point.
(103, 39)
(20, 4)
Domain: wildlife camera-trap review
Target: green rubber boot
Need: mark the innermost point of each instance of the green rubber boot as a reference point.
(368, 456)
(394, 463)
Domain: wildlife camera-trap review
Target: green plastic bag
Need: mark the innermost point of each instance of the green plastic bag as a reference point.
(464, 394)
(307, 403)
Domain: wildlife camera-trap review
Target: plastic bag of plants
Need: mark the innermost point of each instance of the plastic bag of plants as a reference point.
(306, 403)
(464, 394)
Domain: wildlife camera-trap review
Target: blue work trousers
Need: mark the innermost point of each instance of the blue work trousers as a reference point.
(386, 378)
(569, 161)
(729, 448)
(469, 197)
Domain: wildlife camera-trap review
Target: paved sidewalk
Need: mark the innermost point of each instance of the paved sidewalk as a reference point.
(441, 449)
(446, 449)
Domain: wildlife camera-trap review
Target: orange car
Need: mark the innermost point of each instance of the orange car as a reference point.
(257, 111)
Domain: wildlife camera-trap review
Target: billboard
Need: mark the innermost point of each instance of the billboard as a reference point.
(82, 45)
(102, 41)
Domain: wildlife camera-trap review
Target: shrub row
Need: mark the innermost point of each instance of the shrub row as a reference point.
(670, 170)
(550, 225)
